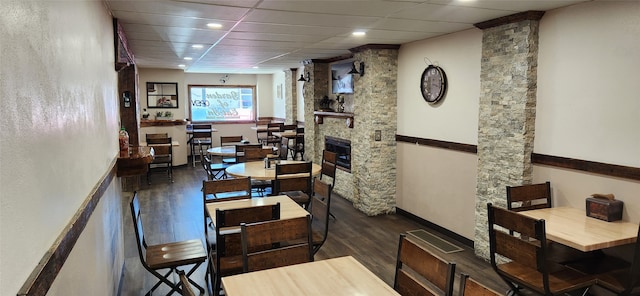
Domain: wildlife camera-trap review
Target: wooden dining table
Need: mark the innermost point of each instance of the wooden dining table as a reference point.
(336, 276)
(573, 228)
(288, 208)
(257, 171)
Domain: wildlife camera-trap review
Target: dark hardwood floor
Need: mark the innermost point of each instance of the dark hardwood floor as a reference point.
(174, 211)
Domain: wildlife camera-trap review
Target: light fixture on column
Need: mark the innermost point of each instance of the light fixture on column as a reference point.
(305, 79)
(355, 71)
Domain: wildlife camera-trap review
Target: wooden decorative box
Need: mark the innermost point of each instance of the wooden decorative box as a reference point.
(604, 207)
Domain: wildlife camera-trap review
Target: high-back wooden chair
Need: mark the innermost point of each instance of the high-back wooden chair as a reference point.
(167, 255)
(294, 181)
(522, 241)
(529, 197)
(471, 287)
(162, 158)
(298, 144)
(229, 141)
(271, 138)
(254, 154)
(276, 243)
(241, 148)
(329, 166)
(201, 135)
(433, 269)
(227, 258)
(319, 209)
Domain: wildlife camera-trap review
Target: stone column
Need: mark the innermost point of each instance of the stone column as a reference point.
(314, 90)
(507, 112)
(291, 101)
(373, 162)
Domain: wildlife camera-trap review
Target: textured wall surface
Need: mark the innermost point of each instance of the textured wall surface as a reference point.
(507, 116)
(59, 137)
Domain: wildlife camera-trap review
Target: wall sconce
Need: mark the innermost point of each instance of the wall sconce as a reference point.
(355, 71)
(305, 79)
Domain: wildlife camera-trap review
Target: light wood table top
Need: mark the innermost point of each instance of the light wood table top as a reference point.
(336, 276)
(288, 208)
(256, 170)
(572, 227)
(264, 128)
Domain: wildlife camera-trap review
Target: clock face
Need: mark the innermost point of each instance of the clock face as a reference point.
(433, 84)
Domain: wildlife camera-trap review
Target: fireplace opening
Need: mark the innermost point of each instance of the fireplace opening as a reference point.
(342, 148)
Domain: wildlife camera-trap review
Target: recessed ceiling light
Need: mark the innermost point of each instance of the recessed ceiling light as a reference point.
(256, 67)
(198, 46)
(214, 25)
(188, 58)
(358, 33)
(182, 65)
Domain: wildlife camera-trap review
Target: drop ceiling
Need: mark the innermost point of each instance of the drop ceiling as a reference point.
(269, 36)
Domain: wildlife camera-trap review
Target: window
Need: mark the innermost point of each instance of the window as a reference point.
(222, 103)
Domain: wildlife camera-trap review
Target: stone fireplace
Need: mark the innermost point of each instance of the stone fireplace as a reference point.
(370, 183)
(342, 147)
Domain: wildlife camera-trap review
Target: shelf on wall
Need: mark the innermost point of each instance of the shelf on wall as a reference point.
(320, 115)
(151, 122)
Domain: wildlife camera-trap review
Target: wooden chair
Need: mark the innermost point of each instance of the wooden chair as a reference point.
(167, 255)
(261, 135)
(215, 171)
(471, 287)
(229, 141)
(426, 266)
(284, 142)
(227, 257)
(320, 204)
(529, 197)
(329, 167)
(162, 158)
(298, 144)
(523, 241)
(256, 153)
(199, 137)
(294, 181)
(271, 138)
(276, 243)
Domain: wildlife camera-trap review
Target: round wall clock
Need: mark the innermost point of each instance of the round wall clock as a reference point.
(433, 84)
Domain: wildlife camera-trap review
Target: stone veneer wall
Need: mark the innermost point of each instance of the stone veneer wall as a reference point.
(313, 91)
(371, 185)
(291, 100)
(373, 163)
(506, 116)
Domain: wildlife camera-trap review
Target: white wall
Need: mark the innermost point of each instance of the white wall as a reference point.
(300, 95)
(588, 109)
(59, 137)
(435, 184)
(588, 75)
(456, 117)
(278, 99)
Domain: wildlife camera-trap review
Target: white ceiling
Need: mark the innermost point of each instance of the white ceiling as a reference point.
(275, 35)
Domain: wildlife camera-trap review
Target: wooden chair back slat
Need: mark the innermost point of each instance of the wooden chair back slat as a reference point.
(426, 264)
(406, 284)
(529, 197)
(276, 243)
(226, 189)
(156, 136)
(230, 139)
(471, 287)
(234, 217)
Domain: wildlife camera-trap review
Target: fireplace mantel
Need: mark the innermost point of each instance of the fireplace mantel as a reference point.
(320, 115)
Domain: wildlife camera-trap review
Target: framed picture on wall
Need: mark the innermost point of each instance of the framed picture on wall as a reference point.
(162, 95)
